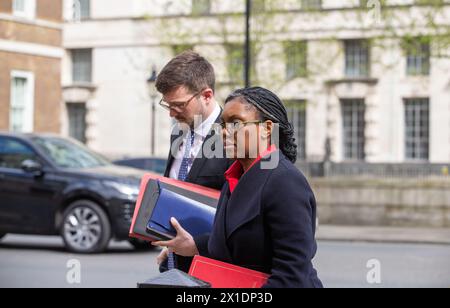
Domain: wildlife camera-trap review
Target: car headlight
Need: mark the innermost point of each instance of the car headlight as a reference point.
(124, 189)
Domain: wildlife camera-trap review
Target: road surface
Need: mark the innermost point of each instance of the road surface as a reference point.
(29, 261)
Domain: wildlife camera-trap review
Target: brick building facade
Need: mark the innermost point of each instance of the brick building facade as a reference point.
(30, 65)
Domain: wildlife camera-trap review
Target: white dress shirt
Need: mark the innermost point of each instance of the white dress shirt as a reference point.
(201, 132)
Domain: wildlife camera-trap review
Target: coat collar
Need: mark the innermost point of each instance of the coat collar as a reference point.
(218, 240)
(236, 171)
(245, 202)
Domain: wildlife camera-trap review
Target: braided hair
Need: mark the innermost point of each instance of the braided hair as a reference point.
(270, 107)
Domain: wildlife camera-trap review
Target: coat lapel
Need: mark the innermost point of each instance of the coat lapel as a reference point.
(244, 204)
(218, 241)
(175, 142)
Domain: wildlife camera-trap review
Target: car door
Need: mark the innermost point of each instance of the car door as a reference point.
(27, 201)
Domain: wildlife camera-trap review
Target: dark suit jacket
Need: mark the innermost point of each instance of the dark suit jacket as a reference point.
(267, 224)
(208, 172)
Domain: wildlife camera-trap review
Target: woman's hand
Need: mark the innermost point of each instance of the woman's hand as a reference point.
(183, 244)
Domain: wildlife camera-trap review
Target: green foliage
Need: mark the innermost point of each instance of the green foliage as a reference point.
(270, 23)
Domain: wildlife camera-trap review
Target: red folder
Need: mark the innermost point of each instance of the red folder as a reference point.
(223, 275)
(140, 219)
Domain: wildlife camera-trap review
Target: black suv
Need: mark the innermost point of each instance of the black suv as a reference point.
(55, 186)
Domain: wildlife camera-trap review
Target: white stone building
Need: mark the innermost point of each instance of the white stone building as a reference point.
(371, 84)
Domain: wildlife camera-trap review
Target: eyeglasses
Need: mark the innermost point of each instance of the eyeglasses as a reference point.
(237, 126)
(178, 106)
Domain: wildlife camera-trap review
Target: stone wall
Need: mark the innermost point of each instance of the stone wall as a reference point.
(383, 202)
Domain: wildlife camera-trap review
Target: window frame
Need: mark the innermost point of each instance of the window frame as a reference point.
(200, 10)
(417, 141)
(357, 72)
(293, 72)
(236, 65)
(297, 110)
(83, 106)
(89, 6)
(37, 157)
(357, 154)
(29, 11)
(311, 5)
(28, 125)
(418, 62)
(91, 66)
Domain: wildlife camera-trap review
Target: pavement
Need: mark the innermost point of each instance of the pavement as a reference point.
(438, 236)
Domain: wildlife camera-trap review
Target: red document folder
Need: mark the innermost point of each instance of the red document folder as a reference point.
(223, 275)
(142, 210)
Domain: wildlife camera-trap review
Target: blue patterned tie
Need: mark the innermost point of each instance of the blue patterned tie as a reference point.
(184, 169)
(182, 176)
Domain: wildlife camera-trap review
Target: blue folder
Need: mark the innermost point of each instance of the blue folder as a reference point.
(195, 217)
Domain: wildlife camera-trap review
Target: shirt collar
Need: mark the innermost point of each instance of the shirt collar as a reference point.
(236, 171)
(205, 128)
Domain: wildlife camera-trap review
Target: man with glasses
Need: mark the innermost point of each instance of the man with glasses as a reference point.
(187, 84)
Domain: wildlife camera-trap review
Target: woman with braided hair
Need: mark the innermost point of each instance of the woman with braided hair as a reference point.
(266, 215)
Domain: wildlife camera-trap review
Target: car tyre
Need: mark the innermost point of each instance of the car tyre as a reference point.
(86, 228)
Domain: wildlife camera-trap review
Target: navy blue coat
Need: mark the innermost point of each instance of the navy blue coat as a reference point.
(267, 224)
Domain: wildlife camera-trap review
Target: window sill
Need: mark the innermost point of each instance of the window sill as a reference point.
(29, 20)
(369, 81)
(81, 85)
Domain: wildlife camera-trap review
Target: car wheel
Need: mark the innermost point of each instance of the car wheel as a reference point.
(2, 235)
(86, 228)
(141, 245)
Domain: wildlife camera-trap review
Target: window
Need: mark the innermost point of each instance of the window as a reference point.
(77, 121)
(81, 9)
(67, 154)
(13, 153)
(353, 119)
(82, 65)
(259, 6)
(311, 4)
(19, 6)
(417, 58)
(236, 63)
(417, 128)
(357, 58)
(296, 59)
(201, 7)
(24, 8)
(85, 9)
(22, 102)
(297, 116)
(364, 4)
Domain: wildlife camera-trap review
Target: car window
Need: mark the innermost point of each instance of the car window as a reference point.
(69, 154)
(13, 153)
(160, 166)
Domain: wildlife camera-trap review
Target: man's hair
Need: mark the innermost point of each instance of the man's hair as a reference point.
(188, 69)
